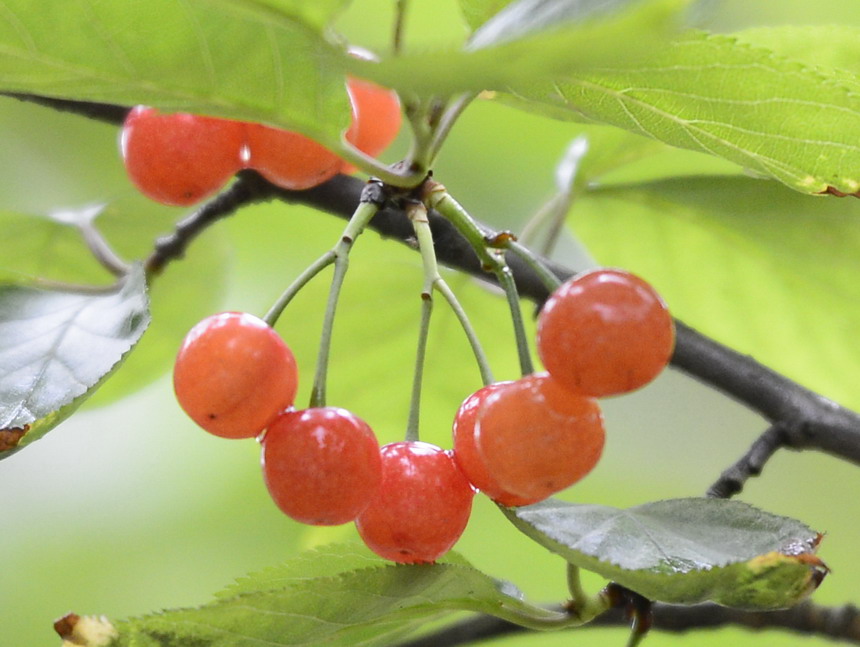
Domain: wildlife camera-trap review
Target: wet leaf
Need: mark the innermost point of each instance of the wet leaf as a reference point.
(684, 551)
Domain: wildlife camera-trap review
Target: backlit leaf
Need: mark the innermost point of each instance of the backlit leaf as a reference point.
(747, 262)
(57, 345)
(717, 95)
(340, 595)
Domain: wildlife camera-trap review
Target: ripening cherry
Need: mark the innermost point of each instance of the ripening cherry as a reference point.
(321, 465)
(288, 159)
(466, 454)
(537, 438)
(422, 506)
(178, 158)
(605, 332)
(376, 117)
(234, 374)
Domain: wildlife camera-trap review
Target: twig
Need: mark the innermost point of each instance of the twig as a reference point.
(839, 623)
(248, 188)
(732, 480)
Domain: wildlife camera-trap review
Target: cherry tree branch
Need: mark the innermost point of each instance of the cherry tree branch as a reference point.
(838, 623)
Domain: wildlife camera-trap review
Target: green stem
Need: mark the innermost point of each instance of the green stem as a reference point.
(433, 280)
(550, 280)
(362, 216)
(493, 260)
(446, 123)
(399, 23)
(412, 427)
(303, 279)
(402, 176)
(478, 350)
(418, 215)
(581, 610)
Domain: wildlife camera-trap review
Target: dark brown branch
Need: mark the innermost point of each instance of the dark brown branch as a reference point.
(106, 112)
(732, 480)
(839, 623)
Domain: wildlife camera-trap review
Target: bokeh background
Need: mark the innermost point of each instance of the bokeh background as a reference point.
(127, 508)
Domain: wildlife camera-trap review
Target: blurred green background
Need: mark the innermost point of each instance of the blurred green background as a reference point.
(128, 508)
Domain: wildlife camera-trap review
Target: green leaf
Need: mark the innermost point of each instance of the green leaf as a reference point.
(265, 60)
(508, 55)
(829, 47)
(477, 12)
(56, 346)
(747, 262)
(339, 595)
(717, 95)
(684, 550)
(47, 246)
(532, 17)
(319, 13)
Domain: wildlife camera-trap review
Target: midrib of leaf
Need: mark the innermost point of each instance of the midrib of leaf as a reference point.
(686, 122)
(53, 356)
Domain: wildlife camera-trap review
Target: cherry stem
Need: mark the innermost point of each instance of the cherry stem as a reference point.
(101, 249)
(303, 279)
(446, 123)
(544, 273)
(402, 176)
(417, 214)
(581, 605)
(399, 24)
(492, 259)
(433, 280)
(362, 216)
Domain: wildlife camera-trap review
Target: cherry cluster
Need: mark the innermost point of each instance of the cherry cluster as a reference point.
(602, 333)
(236, 378)
(180, 158)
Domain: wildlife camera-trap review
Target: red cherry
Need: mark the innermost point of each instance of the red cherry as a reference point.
(180, 159)
(376, 116)
(466, 450)
(288, 159)
(422, 505)
(234, 374)
(322, 465)
(537, 438)
(605, 332)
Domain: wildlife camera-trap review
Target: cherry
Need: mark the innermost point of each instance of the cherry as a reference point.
(537, 438)
(288, 159)
(376, 117)
(322, 465)
(470, 461)
(179, 159)
(234, 374)
(422, 505)
(605, 332)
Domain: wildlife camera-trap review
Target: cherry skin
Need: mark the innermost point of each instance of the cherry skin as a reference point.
(322, 465)
(470, 461)
(376, 116)
(288, 159)
(605, 332)
(178, 158)
(234, 374)
(537, 438)
(422, 505)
